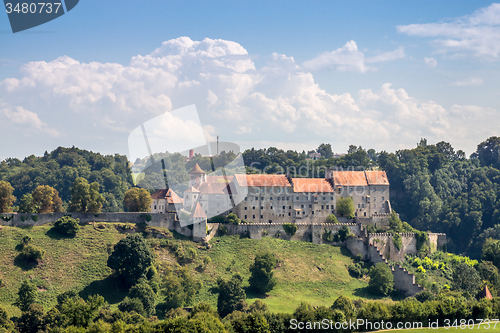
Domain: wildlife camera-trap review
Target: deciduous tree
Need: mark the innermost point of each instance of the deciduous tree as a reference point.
(137, 200)
(85, 197)
(47, 199)
(345, 207)
(26, 295)
(262, 273)
(381, 279)
(231, 295)
(6, 197)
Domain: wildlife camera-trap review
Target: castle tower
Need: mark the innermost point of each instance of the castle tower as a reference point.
(197, 176)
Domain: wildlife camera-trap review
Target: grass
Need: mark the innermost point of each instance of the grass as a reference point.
(306, 272)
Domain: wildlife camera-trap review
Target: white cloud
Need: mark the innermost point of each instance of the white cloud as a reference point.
(26, 120)
(430, 62)
(477, 34)
(349, 58)
(472, 81)
(277, 102)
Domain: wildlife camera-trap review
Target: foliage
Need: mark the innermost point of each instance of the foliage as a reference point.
(131, 258)
(290, 228)
(328, 236)
(80, 313)
(32, 320)
(466, 278)
(143, 291)
(342, 234)
(345, 305)
(179, 289)
(331, 219)
(232, 218)
(345, 207)
(6, 197)
(258, 306)
(27, 204)
(67, 226)
(381, 279)
(31, 253)
(222, 229)
(397, 241)
(47, 200)
(262, 277)
(231, 295)
(26, 295)
(356, 270)
(85, 197)
(5, 323)
(491, 251)
(137, 200)
(132, 304)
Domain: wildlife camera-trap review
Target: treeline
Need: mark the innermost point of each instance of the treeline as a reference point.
(59, 170)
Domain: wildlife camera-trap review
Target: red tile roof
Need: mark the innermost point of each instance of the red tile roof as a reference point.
(196, 169)
(219, 179)
(262, 180)
(199, 212)
(213, 188)
(486, 293)
(168, 194)
(311, 185)
(349, 178)
(191, 189)
(376, 178)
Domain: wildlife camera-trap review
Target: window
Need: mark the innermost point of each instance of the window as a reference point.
(362, 198)
(355, 213)
(383, 199)
(253, 216)
(301, 206)
(278, 198)
(262, 198)
(245, 198)
(283, 207)
(322, 207)
(310, 206)
(365, 213)
(363, 206)
(270, 221)
(303, 213)
(261, 190)
(187, 196)
(374, 189)
(289, 214)
(271, 198)
(327, 206)
(262, 207)
(245, 208)
(324, 198)
(253, 207)
(245, 216)
(312, 212)
(289, 207)
(283, 198)
(155, 207)
(331, 198)
(359, 205)
(297, 198)
(262, 216)
(271, 207)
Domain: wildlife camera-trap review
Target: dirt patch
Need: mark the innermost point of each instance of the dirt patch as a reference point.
(41, 289)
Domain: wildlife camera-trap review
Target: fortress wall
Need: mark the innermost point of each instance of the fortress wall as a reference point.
(385, 244)
(405, 282)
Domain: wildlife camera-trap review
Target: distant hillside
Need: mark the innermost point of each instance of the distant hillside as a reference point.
(307, 272)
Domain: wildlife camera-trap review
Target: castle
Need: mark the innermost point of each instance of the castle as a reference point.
(260, 198)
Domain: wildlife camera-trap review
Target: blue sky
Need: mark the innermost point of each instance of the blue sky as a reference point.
(291, 74)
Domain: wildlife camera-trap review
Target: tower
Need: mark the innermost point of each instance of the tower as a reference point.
(197, 176)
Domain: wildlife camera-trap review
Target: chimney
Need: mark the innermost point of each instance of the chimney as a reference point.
(191, 153)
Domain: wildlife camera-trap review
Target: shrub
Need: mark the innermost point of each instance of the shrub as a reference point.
(328, 236)
(217, 219)
(331, 219)
(132, 304)
(345, 206)
(149, 218)
(34, 218)
(381, 279)
(356, 270)
(397, 241)
(342, 234)
(262, 276)
(67, 226)
(222, 229)
(31, 253)
(232, 218)
(290, 228)
(26, 240)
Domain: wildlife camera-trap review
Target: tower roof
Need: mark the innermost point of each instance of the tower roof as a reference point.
(196, 169)
(486, 293)
(198, 212)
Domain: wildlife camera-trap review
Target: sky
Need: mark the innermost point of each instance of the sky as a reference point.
(288, 74)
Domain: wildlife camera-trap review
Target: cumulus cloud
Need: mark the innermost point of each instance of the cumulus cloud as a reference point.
(472, 81)
(477, 34)
(96, 104)
(349, 58)
(430, 62)
(25, 120)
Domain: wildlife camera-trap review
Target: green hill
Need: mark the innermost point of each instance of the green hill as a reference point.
(306, 272)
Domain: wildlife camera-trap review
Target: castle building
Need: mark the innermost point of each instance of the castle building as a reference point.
(263, 198)
(165, 200)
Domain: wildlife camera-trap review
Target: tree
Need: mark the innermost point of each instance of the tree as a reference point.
(79, 313)
(6, 197)
(466, 278)
(331, 219)
(488, 152)
(5, 322)
(26, 295)
(132, 304)
(143, 291)
(27, 204)
(258, 306)
(345, 207)
(131, 258)
(262, 277)
(491, 251)
(137, 200)
(233, 218)
(85, 197)
(231, 295)
(345, 305)
(67, 226)
(46, 199)
(32, 320)
(325, 150)
(381, 279)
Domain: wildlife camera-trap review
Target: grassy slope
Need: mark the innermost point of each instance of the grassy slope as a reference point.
(308, 272)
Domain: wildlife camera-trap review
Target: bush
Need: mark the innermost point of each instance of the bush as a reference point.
(31, 253)
(222, 229)
(34, 218)
(356, 271)
(424, 296)
(397, 241)
(290, 228)
(26, 240)
(217, 219)
(331, 219)
(381, 279)
(67, 226)
(262, 276)
(345, 207)
(232, 218)
(328, 236)
(132, 304)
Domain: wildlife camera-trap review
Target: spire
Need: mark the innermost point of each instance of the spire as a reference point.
(196, 169)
